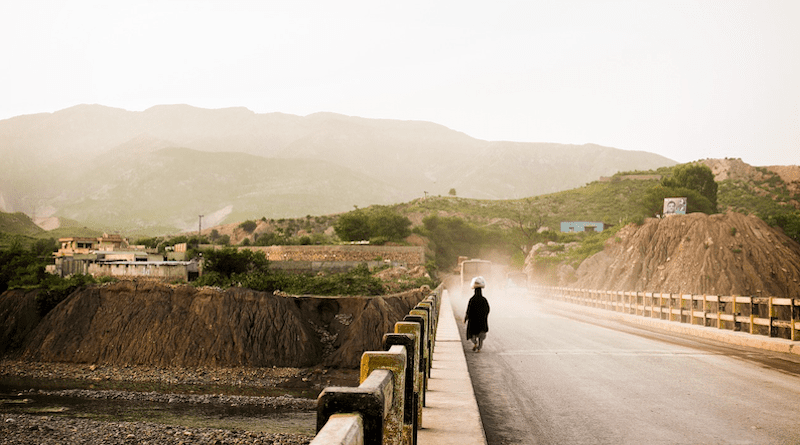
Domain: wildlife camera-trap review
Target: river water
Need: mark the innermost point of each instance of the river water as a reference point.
(194, 415)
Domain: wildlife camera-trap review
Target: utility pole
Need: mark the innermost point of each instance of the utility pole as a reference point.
(199, 229)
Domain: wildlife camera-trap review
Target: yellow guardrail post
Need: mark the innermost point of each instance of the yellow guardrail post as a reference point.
(393, 360)
(409, 341)
(415, 329)
(421, 317)
(341, 429)
(371, 399)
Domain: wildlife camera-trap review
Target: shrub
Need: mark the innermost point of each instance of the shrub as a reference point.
(57, 289)
(229, 261)
(380, 222)
(248, 226)
(353, 226)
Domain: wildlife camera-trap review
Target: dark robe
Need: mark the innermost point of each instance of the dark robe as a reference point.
(477, 314)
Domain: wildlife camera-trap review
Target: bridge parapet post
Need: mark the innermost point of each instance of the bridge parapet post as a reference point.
(410, 394)
(393, 360)
(386, 407)
(372, 400)
(420, 318)
(341, 429)
(414, 328)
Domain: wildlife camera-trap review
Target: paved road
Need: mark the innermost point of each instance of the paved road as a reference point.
(547, 377)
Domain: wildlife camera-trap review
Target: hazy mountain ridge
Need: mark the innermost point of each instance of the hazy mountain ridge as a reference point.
(94, 163)
(173, 186)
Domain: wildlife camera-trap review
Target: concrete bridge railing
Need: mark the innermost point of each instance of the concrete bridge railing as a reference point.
(768, 316)
(386, 407)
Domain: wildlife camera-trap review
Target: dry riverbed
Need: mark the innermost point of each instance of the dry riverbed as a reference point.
(94, 404)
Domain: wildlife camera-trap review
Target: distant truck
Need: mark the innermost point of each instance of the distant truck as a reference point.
(474, 268)
(516, 284)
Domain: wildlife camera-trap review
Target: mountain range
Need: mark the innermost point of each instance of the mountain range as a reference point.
(156, 171)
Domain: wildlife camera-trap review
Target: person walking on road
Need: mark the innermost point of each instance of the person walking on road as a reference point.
(477, 317)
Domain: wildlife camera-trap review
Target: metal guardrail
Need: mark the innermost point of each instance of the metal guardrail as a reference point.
(386, 407)
(768, 316)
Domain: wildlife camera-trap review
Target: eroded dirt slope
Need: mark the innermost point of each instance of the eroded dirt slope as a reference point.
(723, 254)
(145, 323)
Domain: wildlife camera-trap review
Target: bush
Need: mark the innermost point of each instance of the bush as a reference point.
(695, 177)
(357, 281)
(788, 222)
(229, 261)
(20, 268)
(452, 237)
(57, 289)
(248, 226)
(353, 226)
(652, 202)
(380, 222)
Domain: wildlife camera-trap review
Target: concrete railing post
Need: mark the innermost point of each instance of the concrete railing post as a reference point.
(394, 360)
(410, 395)
(371, 399)
(415, 329)
(387, 405)
(341, 429)
(428, 306)
(424, 351)
(424, 312)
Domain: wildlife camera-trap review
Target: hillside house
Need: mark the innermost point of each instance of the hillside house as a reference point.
(581, 226)
(111, 255)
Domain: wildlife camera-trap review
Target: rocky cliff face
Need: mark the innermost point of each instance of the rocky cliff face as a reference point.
(20, 315)
(724, 254)
(154, 324)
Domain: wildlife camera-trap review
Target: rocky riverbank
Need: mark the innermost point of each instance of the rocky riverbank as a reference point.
(215, 387)
(26, 429)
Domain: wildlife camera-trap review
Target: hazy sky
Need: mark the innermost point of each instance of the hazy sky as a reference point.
(685, 79)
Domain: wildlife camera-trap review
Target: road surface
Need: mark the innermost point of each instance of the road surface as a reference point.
(546, 376)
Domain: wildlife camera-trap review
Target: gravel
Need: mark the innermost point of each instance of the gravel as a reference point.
(18, 428)
(27, 429)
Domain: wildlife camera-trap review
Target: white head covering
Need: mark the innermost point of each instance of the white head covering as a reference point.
(478, 282)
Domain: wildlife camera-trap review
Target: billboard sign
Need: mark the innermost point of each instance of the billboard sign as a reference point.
(674, 206)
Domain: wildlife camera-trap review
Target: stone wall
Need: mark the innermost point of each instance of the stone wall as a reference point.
(408, 256)
(162, 271)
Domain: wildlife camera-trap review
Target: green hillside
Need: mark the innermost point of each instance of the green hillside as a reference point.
(18, 224)
(506, 229)
(610, 202)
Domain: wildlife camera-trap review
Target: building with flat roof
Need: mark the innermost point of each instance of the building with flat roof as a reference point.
(581, 226)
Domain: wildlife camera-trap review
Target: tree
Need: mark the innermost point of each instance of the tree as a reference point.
(789, 222)
(270, 239)
(379, 223)
(248, 226)
(150, 243)
(353, 226)
(385, 223)
(19, 267)
(696, 177)
(653, 200)
(452, 237)
(229, 261)
(452, 192)
(44, 247)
